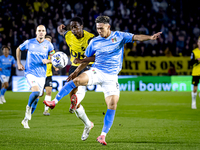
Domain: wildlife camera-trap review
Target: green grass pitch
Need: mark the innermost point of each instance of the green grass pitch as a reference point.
(143, 121)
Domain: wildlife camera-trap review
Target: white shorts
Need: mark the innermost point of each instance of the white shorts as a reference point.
(4, 78)
(109, 83)
(36, 81)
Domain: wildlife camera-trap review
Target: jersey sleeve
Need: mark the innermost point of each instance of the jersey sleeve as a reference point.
(89, 50)
(127, 37)
(24, 46)
(51, 49)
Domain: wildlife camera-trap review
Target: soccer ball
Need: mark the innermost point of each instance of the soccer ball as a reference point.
(59, 60)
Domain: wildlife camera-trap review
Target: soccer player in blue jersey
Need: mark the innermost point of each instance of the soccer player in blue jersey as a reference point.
(108, 48)
(6, 63)
(38, 50)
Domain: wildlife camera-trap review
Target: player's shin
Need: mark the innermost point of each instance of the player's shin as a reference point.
(47, 98)
(108, 121)
(33, 96)
(80, 113)
(34, 105)
(67, 88)
(194, 95)
(80, 94)
(3, 90)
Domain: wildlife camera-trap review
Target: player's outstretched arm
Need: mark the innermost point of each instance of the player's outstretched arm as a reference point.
(61, 29)
(78, 69)
(86, 59)
(146, 37)
(18, 56)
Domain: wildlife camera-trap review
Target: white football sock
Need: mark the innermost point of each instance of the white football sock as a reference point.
(80, 93)
(47, 98)
(194, 95)
(103, 133)
(56, 101)
(80, 113)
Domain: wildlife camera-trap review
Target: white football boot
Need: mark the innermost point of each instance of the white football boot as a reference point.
(86, 132)
(25, 123)
(3, 99)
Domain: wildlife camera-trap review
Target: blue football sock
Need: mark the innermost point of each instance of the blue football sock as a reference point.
(108, 120)
(3, 90)
(34, 105)
(33, 96)
(67, 88)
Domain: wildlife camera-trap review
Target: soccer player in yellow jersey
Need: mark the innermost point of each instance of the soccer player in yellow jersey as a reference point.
(48, 82)
(195, 61)
(77, 39)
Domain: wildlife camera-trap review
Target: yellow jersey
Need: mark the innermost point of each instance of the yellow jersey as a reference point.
(77, 46)
(196, 65)
(49, 68)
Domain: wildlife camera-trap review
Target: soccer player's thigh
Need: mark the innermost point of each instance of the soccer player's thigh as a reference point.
(36, 83)
(4, 80)
(48, 85)
(111, 93)
(195, 81)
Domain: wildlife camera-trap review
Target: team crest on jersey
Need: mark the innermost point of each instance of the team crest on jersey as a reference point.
(45, 47)
(114, 40)
(9, 59)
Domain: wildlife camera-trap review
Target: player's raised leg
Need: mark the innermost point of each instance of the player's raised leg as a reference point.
(67, 88)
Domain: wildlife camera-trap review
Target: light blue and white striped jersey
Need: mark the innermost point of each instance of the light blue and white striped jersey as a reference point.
(6, 64)
(36, 52)
(109, 51)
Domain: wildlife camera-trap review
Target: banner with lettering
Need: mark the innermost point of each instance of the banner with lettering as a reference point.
(155, 66)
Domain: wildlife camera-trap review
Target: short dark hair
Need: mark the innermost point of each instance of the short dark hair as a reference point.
(102, 19)
(5, 46)
(48, 36)
(77, 19)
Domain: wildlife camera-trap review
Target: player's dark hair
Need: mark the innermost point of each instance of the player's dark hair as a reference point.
(77, 19)
(5, 46)
(102, 19)
(48, 36)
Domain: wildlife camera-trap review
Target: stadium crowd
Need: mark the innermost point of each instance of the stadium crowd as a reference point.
(177, 19)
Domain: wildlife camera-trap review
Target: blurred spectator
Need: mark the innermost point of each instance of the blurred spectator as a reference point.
(179, 26)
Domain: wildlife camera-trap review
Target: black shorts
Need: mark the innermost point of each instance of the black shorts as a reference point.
(48, 81)
(195, 80)
(73, 68)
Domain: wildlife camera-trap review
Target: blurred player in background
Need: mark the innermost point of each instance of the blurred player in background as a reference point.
(195, 61)
(48, 82)
(6, 63)
(77, 39)
(108, 48)
(35, 68)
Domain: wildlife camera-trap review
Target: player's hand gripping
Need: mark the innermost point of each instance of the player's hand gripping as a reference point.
(72, 76)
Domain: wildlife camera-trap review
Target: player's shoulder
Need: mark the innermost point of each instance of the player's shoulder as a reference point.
(88, 34)
(68, 33)
(30, 41)
(196, 50)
